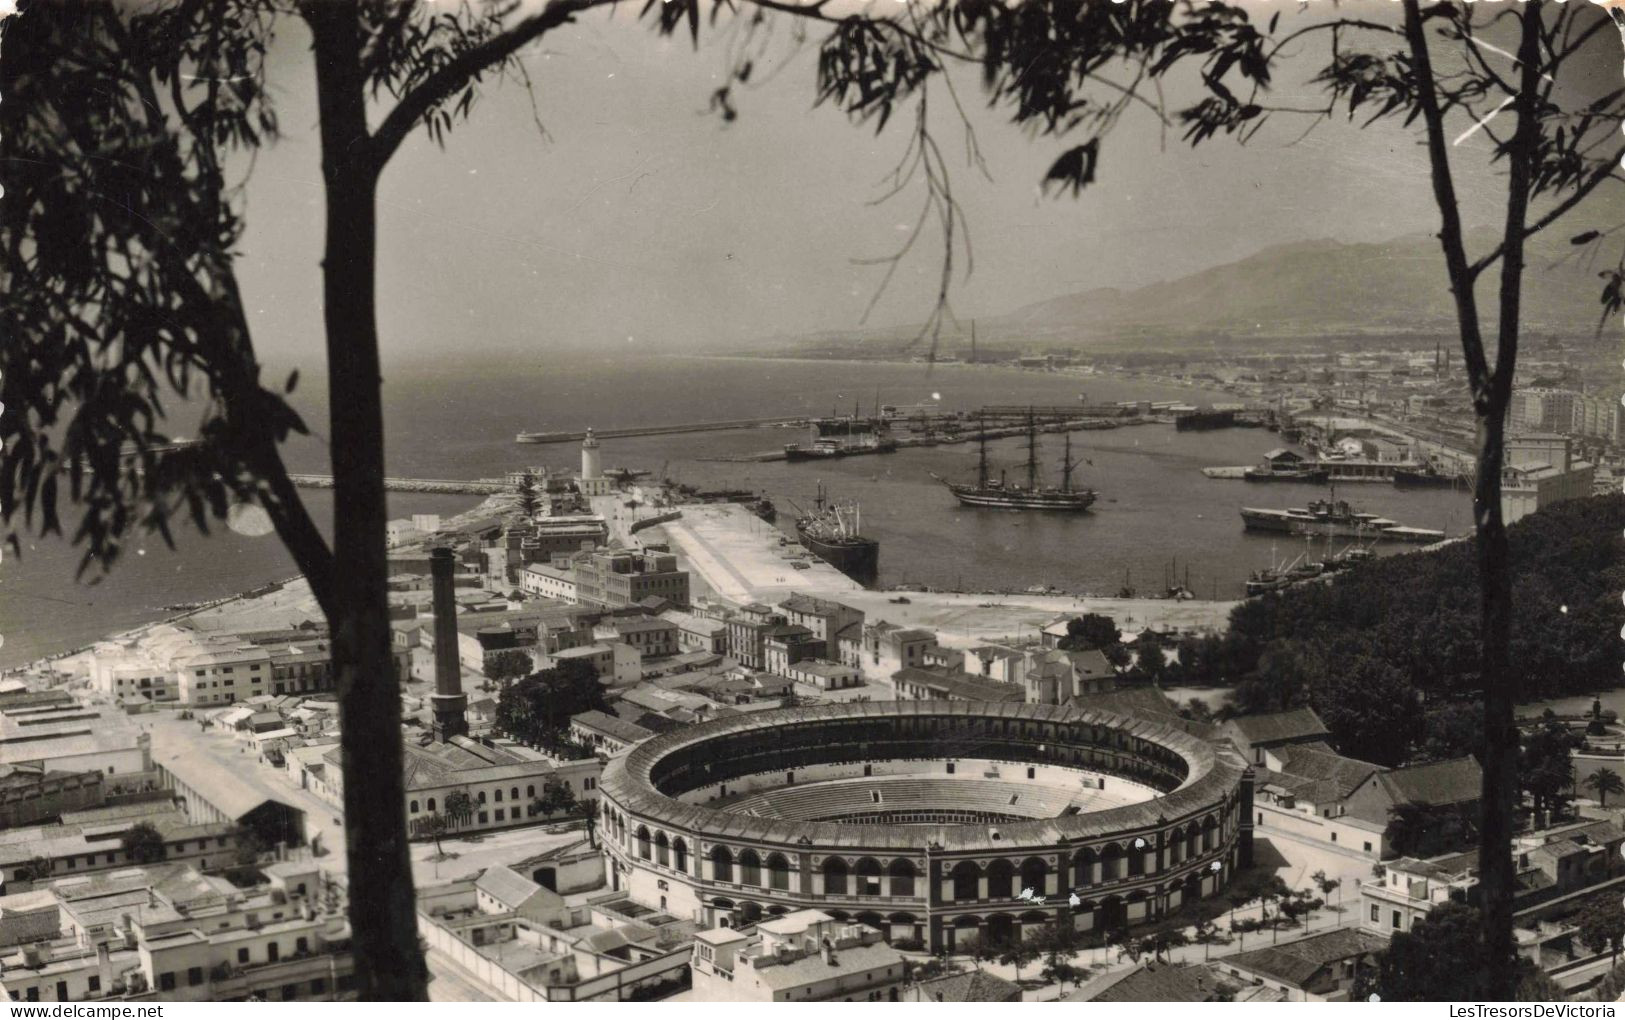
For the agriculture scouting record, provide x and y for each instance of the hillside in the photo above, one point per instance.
(1322, 290)
(1319, 287)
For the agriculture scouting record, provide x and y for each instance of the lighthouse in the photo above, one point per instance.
(591, 467)
(592, 481)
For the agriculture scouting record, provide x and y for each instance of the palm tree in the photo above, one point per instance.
(1604, 781)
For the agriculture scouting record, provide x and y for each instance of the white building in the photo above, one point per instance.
(167, 932)
(544, 580)
(69, 736)
(805, 956)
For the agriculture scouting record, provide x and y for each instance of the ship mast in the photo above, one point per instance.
(1067, 465)
(1032, 450)
(981, 458)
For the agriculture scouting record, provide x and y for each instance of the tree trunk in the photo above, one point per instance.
(1491, 392)
(1496, 874)
(383, 916)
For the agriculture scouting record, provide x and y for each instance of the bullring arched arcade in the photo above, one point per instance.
(931, 821)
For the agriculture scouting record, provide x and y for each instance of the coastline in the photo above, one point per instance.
(1116, 376)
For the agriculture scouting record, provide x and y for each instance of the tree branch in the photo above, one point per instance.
(1603, 171)
(458, 72)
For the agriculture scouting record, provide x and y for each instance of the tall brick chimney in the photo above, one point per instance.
(448, 702)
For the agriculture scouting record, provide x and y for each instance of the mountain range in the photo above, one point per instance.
(1299, 290)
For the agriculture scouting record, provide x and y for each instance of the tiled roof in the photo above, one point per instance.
(620, 729)
(960, 686)
(1456, 781)
(1150, 982)
(1297, 962)
(1299, 723)
(1304, 761)
(1599, 833)
(970, 986)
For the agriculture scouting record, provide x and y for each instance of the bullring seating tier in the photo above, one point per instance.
(832, 801)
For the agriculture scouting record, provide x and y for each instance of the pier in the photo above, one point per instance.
(659, 430)
(449, 486)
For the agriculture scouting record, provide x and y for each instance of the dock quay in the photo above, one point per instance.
(449, 486)
(660, 430)
(738, 557)
(963, 435)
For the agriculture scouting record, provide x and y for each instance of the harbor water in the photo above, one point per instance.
(1157, 521)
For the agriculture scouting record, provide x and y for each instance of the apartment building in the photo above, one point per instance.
(618, 577)
(170, 933)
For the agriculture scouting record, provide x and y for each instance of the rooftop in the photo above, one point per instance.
(1457, 781)
(506, 886)
(1297, 724)
(969, 986)
(1297, 962)
(1149, 982)
(611, 726)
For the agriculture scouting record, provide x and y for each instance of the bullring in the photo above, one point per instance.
(932, 821)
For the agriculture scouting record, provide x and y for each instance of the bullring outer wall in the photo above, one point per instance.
(933, 883)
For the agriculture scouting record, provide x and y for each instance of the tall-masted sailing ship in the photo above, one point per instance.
(1003, 495)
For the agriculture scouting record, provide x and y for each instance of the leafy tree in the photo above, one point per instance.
(978, 949)
(1196, 709)
(1604, 781)
(1062, 971)
(1295, 909)
(1018, 954)
(1163, 941)
(1546, 767)
(458, 807)
(38, 869)
(1246, 926)
(431, 826)
(1452, 731)
(1445, 70)
(110, 314)
(556, 798)
(509, 665)
(1602, 924)
(144, 843)
(247, 846)
(1091, 630)
(1444, 957)
(1370, 707)
(537, 710)
(1056, 942)
(1415, 830)
(1207, 935)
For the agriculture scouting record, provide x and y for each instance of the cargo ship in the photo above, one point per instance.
(1271, 471)
(1002, 495)
(1203, 419)
(844, 437)
(1428, 478)
(833, 533)
(1333, 518)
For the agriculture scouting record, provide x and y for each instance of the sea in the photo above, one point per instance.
(1159, 521)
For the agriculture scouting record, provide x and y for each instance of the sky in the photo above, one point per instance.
(640, 221)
